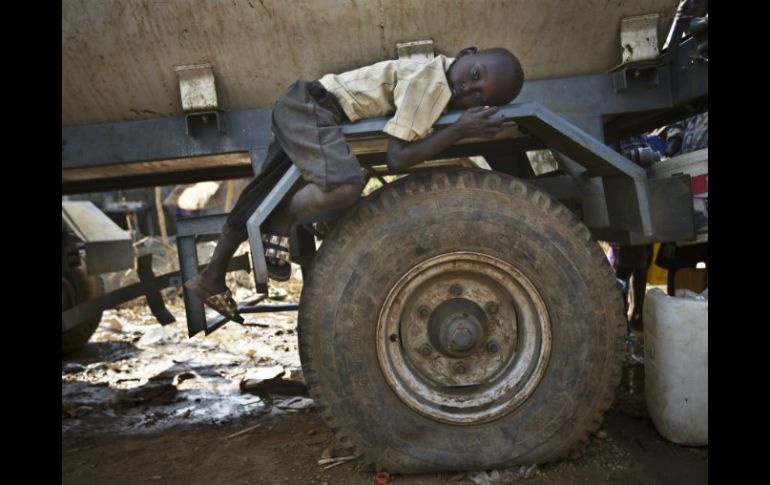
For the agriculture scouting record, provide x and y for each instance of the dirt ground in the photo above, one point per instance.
(144, 403)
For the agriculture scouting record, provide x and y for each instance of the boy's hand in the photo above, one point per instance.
(475, 122)
(479, 121)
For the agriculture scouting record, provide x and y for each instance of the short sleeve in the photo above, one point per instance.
(419, 102)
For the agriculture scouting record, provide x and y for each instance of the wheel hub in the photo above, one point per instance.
(456, 327)
(488, 326)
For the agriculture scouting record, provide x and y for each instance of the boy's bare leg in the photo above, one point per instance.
(305, 200)
(309, 199)
(212, 278)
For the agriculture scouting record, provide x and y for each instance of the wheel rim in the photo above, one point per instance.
(463, 338)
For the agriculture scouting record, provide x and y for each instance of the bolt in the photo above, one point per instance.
(493, 347)
(492, 307)
(460, 368)
(425, 349)
(462, 338)
(423, 312)
(456, 289)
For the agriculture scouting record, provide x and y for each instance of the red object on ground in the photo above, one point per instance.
(381, 478)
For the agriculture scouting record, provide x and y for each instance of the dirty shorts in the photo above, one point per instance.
(306, 132)
(306, 126)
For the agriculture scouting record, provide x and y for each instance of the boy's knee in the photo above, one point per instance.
(349, 193)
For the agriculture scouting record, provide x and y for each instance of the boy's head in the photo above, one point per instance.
(491, 77)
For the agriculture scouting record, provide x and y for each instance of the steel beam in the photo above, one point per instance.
(161, 138)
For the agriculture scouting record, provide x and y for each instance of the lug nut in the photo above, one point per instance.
(460, 368)
(492, 307)
(493, 347)
(456, 289)
(425, 349)
(423, 312)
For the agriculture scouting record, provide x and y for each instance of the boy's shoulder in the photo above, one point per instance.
(406, 65)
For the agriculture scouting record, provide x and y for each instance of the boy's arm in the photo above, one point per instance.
(475, 122)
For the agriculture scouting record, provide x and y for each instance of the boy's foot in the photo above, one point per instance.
(222, 301)
(277, 256)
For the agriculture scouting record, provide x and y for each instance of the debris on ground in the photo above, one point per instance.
(296, 403)
(179, 378)
(484, 478)
(283, 384)
(72, 368)
(158, 335)
(331, 457)
(277, 293)
(149, 395)
(527, 472)
(75, 410)
(326, 461)
(241, 433)
(333, 462)
(381, 478)
(507, 475)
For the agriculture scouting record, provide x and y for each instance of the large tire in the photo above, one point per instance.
(399, 295)
(78, 287)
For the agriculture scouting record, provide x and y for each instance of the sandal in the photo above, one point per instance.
(277, 249)
(223, 302)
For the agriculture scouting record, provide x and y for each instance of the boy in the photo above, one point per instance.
(306, 130)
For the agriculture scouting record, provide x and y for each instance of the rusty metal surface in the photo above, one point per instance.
(463, 338)
(119, 56)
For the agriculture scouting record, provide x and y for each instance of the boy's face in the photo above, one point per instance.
(478, 80)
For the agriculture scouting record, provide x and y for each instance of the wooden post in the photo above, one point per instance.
(124, 204)
(229, 195)
(162, 224)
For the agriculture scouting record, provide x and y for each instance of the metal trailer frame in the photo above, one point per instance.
(617, 200)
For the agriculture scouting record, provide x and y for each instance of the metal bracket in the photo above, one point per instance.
(647, 70)
(154, 298)
(418, 50)
(639, 37)
(204, 116)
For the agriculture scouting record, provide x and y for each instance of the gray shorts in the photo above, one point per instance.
(306, 126)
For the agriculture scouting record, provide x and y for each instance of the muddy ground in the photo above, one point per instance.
(143, 403)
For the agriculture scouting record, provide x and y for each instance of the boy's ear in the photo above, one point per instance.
(466, 51)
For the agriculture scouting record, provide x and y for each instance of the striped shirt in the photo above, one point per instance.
(416, 92)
